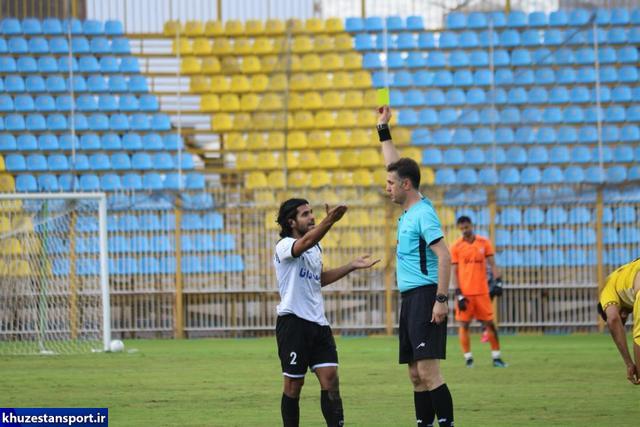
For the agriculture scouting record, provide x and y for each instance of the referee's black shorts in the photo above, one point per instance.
(419, 337)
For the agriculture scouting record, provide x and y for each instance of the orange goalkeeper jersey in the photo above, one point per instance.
(471, 259)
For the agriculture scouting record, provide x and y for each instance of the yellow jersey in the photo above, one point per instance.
(620, 290)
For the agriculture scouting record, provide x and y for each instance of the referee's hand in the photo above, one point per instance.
(385, 115)
(439, 312)
(335, 213)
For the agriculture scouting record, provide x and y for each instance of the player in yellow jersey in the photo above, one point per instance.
(621, 296)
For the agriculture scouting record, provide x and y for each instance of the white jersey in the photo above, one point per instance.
(299, 282)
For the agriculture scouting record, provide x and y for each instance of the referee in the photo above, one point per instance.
(423, 272)
(303, 334)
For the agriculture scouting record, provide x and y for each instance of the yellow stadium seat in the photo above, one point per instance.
(239, 83)
(360, 137)
(333, 25)
(353, 99)
(199, 84)
(275, 140)
(246, 161)
(319, 178)
(193, 28)
(242, 46)
(331, 240)
(19, 268)
(221, 46)
(342, 80)
(280, 45)
(271, 102)
(190, 65)
(332, 99)
(401, 136)
(269, 160)
(183, 46)
(256, 141)
(10, 246)
(343, 178)
(275, 179)
(2, 165)
(269, 220)
(363, 177)
(254, 27)
(172, 27)
(299, 81)
(339, 138)
(263, 121)
(234, 141)
(349, 158)
(294, 64)
(274, 26)
(308, 159)
(278, 82)
(214, 28)
(351, 239)
(219, 84)
(250, 64)
(233, 27)
(345, 118)
(230, 65)
(303, 120)
(447, 215)
(321, 81)
(380, 176)
(311, 100)
(412, 153)
(352, 61)
(249, 102)
(367, 118)
(21, 224)
(258, 82)
(201, 46)
(362, 79)
(318, 139)
(262, 45)
(370, 157)
(293, 161)
(370, 99)
(265, 198)
(311, 62)
(221, 122)
(210, 103)
(269, 63)
(427, 176)
(376, 240)
(296, 26)
(5, 224)
(295, 101)
(314, 25)
(323, 43)
(242, 121)
(329, 196)
(229, 102)
(298, 179)
(328, 159)
(331, 62)
(297, 139)
(301, 44)
(325, 119)
(343, 42)
(256, 180)
(211, 65)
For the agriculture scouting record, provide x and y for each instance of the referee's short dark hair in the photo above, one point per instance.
(406, 168)
(464, 220)
(288, 210)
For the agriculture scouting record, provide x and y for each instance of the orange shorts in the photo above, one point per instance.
(478, 307)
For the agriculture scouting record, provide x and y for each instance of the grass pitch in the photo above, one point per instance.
(572, 380)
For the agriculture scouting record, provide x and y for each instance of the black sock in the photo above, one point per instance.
(443, 404)
(290, 411)
(424, 408)
(331, 405)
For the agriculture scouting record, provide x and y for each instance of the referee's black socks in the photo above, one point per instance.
(443, 405)
(290, 411)
(331, 405)
(424, 408)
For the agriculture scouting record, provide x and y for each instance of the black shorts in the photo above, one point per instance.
(419, 337)
(304, 345)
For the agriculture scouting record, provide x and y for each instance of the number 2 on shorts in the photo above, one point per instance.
(293, 358)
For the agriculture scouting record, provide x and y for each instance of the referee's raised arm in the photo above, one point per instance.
(389, 150)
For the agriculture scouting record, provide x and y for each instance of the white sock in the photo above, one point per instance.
(495, 354)
(468, 356)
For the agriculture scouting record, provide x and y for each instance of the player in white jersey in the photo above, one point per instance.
(303, 334)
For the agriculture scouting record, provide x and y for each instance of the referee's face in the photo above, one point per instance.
(396, 188)
(304, 221)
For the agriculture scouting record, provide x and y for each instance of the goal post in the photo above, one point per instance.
(54, 277)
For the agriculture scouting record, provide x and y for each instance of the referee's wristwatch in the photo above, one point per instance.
(442, 298)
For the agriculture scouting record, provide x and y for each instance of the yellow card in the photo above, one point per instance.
(382, 96)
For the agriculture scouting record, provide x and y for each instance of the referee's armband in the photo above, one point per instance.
(384, 133)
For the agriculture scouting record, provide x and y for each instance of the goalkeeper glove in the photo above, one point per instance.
(496, 289)
(462, 301)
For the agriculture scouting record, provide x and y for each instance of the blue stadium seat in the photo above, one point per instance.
(416, 59)
(66, 64)
(509, 38)
(530, 175)
(476, 20)
(26, 183)
(354, 24)
(526, 76)
(595, 175)
(86, 103)
(120, 46)
(445, 177)
(48, 142)
(389, 40)
(27, 142)
(27, 64)
(436, 59)
(110, 182)
(503, 237)
(364, 42)
(109, 64)
(552, 175)
(47, 65)
(152, 181)
(426, 40)
(616, 174)
(415, 23)
(516, 19)
(546, 135)
(89, 182)
(131, 141)
(488, 38)
(90, 141)
(18, 45)
(374, 24)
(408, 117)
(92, 27)
(468, 40)
(448, 40)
(488, 176)
(510, 258)
(630, 133)
(574, 175)
(57, 162)
(100, 45)
(458, 58)
(509, 176)
(80, 45)
(456, 21)
(99, 161)
(371, 60)
(132, 181)
(14, 83)
(36, 122)
(620, 16)
(141, 161)
(58, 45)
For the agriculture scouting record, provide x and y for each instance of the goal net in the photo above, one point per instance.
(54, 287)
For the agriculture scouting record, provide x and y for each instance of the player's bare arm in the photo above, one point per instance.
(440, 309)
(317, 233)
(497, 274)
(389, 150)
(616, 328)
(330, 276)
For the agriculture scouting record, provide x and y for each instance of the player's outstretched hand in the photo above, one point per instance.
(364, 261)
(632, 374)
(385, 114)
(335, 213)
(439, 312)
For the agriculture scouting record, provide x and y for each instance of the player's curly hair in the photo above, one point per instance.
(288, 210)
